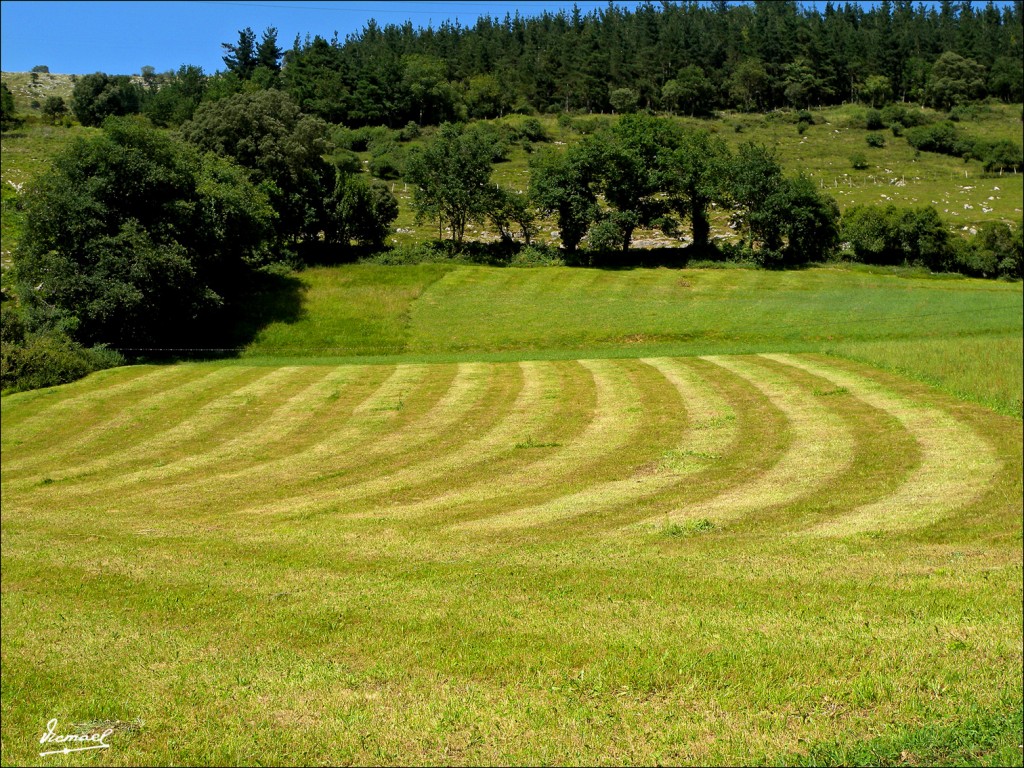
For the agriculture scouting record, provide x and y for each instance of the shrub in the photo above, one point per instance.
(887, 235)
(531, 129)
(410, 131)
(899, 114)
(875, 140)
(537, 256)
(873, 120)
(390, 165)
(46, 360)
(859, 161)
(997, 250)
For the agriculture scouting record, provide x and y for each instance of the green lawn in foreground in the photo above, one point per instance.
(961, 334)
(741, 559)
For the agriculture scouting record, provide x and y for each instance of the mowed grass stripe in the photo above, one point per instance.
(535, 406)
(141, 419)
(372, 414)
(632, 418)
(285, 484)
(885, 455)
(85, 409)
(94, 391)
(707, 424)
(821, 446)
(259, 414)
(956, 465)
(339, 405)
(197, 432)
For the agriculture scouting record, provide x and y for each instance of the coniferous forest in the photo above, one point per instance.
(681, 57)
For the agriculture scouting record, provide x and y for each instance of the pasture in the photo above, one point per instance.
(529, 530)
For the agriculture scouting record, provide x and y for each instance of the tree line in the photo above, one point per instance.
(675, 57)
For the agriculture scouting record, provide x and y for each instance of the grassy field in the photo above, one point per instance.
(963, 335)
(617, 541)
(721, 559)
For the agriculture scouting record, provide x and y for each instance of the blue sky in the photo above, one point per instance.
(80, 37)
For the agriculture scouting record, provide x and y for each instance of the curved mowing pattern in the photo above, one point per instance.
(486, 450)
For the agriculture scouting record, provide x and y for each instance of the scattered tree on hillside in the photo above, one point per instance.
(54, 109)
(7, 114)
(451, 178)
(99, 96)
(698, 172)
(560, 183)
(241, 58)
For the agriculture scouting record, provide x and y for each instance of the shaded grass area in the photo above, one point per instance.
(961, 334)
(269, 562)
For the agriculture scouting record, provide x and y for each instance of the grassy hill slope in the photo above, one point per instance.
(962, 334)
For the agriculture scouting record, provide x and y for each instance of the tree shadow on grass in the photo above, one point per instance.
(266, 297)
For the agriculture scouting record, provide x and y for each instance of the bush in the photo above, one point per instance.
(859, 161)
(46, 360)
(537, 256)
(389, 165)
(532, 130)
(875, 140)
(887, 235)
(410, 131)
(899, 114)
(997, 250)
(873, 120)
(943, 138)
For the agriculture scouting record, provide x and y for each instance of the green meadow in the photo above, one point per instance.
(456, 514)
(962, 335)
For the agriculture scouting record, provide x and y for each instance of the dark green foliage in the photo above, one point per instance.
(954, 79)
(134, 240)
(873, 120)
(810, 222)
(690, 92)
(49, 359)
(688, 58)
(877, 90)
(907, 117)
(1002, 155)
(513, 215)
(630, 168)
(755, 180)
(997, 250)
(698, 173)
(560, 183)
(451, 182)
(176, 101)
(359, 210)
(943, 138)
(387, 161)
(1006, 79)
(99, 96)
(54, 109)
(269, 53)
(7, 114)
(282, 149)
(875, 140)
(891, 235)
(240, 58)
